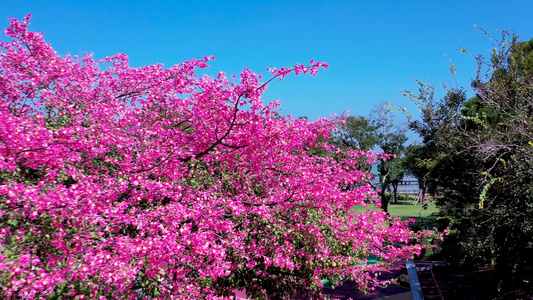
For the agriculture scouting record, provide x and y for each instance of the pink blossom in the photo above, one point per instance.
(127, 182)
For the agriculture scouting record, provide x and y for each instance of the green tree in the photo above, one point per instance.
(357, 132)
(499, 139)
(479, 155)
(440, 127)
(393, 172)
(379, 130)
(391, 139)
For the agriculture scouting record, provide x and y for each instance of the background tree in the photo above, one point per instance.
(356, 132)
(438, 127)
(418, 162)
(477, 153)
(391, 139)
(499, 141)
(378, 130)
(397, 172)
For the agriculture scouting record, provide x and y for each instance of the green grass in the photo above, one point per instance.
(426, 216)
(404, 209)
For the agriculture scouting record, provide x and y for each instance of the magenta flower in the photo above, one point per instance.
(126, 183)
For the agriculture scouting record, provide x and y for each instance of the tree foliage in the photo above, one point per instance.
(478, 153)
(391, 138)
(378, 130)
(123, 183)
(356, 132)
(439, 127)
(499, 141)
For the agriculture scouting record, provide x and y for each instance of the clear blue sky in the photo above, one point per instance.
(374, 48)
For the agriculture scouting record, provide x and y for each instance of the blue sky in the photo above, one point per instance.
(374, 48)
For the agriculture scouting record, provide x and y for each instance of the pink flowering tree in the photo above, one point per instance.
(127, 183)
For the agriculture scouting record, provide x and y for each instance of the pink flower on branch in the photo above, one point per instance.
(121, 182)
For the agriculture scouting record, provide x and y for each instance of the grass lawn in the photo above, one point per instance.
(403, 209)
(425, 215)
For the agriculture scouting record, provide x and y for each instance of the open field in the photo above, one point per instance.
(404, 209)
(425, 215)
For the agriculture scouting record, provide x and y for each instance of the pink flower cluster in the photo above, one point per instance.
(124, 183)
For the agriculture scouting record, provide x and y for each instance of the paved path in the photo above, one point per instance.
(392, 292)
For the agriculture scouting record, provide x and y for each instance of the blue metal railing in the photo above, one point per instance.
(416, 289)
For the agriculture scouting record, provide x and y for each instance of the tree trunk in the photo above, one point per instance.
(384, 201)
(395, 192)
(421, 192)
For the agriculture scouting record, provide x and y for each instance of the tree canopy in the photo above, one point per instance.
(478, 154)
(123, 183)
